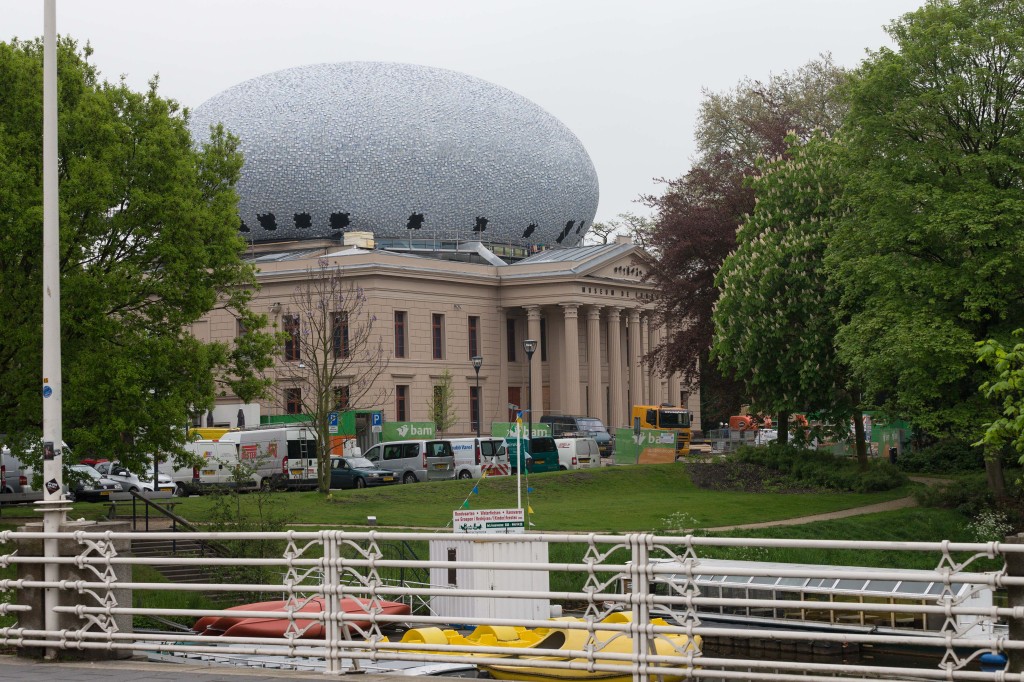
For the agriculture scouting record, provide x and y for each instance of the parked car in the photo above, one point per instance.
(131, 482)
(17, 478)
(89, 485)
(358, 472)
(415, 460)
(578, 453)
(474, 455)
(541, 454)
(565, 426)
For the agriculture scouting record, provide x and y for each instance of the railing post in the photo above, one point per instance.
(641, 587)
(1015, 597)
(332, 606)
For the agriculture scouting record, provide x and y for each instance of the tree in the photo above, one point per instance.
(1006, 385)
(698, 215)
(148, 245)
(774, 327)
(441, 406)
(338, 353)
(929, 254)
(637, 227)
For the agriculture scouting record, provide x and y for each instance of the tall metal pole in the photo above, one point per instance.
(52, 503)
(529, 346)
(478, 361)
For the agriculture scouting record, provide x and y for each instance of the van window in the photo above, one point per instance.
(488, 448)
(392, 452)
(439, 448)
(412, 450)
(373, 454)
(299, 449)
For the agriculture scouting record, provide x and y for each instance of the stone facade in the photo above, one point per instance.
(587, 306)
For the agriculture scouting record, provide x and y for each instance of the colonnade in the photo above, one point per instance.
(610, 349)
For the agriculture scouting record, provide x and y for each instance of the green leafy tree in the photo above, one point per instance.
(148, 246)
(337, 351)
(441, 406)
(928, 255)
(774, 327)
(697, 216)
(1006, 386)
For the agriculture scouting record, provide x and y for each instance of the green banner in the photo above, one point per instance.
(406, 430)
(503, 429)
(651, 445)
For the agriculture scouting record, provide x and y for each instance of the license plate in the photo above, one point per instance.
(440, 466)
(389, 478)
(208, 472)
(166, 489)
(297, 472)
(104, 492)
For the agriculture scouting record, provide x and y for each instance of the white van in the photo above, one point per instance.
(264, 451)
(17, 478)
(473, 456)
(578, 453)
(415, 461)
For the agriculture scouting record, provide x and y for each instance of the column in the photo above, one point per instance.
(571, 359)
(667, 395)
(497, 407)
(636, 377)
(653, 378)
(617, 399)
(536, 389)
(673, 388)
(595, 394)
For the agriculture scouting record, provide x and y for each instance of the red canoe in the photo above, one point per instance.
(228, 626)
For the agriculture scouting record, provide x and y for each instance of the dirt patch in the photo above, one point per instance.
(744, 477)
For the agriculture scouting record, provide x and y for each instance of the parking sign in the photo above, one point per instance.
(332, 422)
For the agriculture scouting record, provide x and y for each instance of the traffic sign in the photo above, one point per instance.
(376, 419)
(332, 422)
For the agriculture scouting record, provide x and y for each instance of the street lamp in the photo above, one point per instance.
(530, 347)
(477, 362)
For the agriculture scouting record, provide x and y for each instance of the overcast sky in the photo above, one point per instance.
(625, 76)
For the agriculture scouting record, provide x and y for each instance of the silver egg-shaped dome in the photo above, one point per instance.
(402, 151)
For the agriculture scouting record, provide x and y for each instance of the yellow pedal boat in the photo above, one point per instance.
(551, 639)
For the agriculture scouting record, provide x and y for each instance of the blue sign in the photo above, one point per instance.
(376, 419)
(332, 422)
(47, 391)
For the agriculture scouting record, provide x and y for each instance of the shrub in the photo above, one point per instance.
(822, 469)
(952, 455)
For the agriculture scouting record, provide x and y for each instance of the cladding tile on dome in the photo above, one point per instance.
(381, 141)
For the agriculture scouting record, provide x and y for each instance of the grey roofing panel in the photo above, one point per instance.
(378, 142)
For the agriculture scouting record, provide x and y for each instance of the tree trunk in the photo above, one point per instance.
(994, 475)
(783, 428)
(858, 434)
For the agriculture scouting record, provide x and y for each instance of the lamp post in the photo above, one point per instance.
(477, 362)
(530, 347)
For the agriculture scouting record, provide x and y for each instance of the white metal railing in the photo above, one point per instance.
(651, 579)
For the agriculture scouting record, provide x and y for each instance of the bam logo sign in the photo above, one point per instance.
(407, 430)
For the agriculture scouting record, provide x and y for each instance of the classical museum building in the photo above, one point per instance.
(459, 210)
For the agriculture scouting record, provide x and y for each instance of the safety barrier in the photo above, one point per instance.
(645, 606)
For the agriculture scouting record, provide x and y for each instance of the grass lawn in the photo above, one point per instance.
(610, 499)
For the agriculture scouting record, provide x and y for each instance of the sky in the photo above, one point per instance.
(626, 77)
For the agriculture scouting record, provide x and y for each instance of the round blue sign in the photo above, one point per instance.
(47, 391)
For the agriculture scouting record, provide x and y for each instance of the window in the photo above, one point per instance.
(510, 339)
(401, 403)
(339, 334)
(437, 335)
(474, 336)
(291, 344)
(400, 333)
(240, 329)
(293, 400)
(514, 396)
(341, 396)
(474, 407)
(544, 340)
